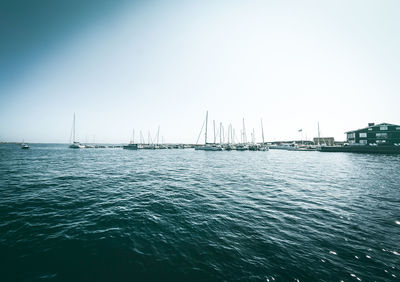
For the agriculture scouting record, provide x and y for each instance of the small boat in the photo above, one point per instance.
(24, 146)
(208, 146)
(242, 147)
(130, 146)
(229, 147)
(285, 146)
(263, 146)
(75, 144)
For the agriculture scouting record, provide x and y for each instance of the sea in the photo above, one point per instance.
(184, 215)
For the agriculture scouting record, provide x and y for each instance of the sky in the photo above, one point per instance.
(124, 65)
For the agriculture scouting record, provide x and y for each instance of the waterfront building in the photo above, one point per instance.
(379, 134)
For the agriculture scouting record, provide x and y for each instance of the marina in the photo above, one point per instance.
(199, 141)
(383, 138)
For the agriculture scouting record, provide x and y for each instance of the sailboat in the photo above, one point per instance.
(263, 147)
(243, 146)
(75, 144)
(24, 145)
(206, 146)
(131, 145)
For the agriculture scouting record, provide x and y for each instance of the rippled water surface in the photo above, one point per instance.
(169, 215)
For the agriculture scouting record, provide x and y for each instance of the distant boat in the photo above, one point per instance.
(285, 146)
(24, 145)
(263, 147)
(242, 147)
(207, 146)
(130, 146)
(75, 144)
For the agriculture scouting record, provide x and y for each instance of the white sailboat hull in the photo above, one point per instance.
(76, 145)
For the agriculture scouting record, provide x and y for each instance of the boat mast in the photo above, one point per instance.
(158, 135)
(318, 135)
(141, 138)
(220, 133)
(205, 136)
(223, 134)
(229, 133)
(244, 133)
(262, 131)
(214, 131)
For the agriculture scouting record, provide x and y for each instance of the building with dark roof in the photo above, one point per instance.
(379, 134)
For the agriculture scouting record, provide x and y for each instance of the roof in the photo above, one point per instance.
(376, 125)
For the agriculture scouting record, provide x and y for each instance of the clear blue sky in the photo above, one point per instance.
(142, 64)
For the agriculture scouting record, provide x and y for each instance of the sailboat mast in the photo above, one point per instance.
(229, 133)
(244, 133)
(220, 133)
(214, 131)
(205, 136)
(262, 131)
(318, 135)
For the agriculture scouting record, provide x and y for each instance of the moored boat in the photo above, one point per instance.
(24, 146)
(285, 146)
(75, 144)
(208, 146)
(130, 146)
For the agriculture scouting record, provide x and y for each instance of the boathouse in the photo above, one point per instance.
(379, 134)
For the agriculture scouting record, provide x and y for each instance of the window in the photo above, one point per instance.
(383, 127)
(398, 128)
(363, 135)
(370, 129)
(363, 142)
(350, 135)
(381, 135)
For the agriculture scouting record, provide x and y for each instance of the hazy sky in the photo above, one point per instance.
(146, 64)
